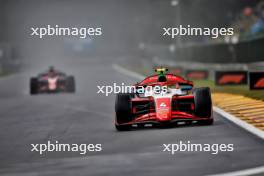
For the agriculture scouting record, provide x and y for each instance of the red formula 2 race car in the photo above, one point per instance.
(180, 102)
(52, 81)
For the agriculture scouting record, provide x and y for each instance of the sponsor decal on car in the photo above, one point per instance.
(163, 108)
(163, 105)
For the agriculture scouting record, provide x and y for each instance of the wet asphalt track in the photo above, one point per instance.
(86, 117)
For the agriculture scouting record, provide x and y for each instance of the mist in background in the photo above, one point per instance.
(129, 27)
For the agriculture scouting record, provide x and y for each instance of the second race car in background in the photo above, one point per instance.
(179, 103)
(52, 81)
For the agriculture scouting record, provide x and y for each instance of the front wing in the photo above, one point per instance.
(150, 116)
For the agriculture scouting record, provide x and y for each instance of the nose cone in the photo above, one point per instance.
(163, 109)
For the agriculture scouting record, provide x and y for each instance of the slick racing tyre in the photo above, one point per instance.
(71, 84)
(202, 102)
(33, 86)
(123, 109)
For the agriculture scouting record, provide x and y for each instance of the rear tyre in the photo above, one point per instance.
(33, 86)
(71, 84)
(123, 109)
(202, 102)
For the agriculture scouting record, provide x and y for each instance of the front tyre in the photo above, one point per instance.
(71, 84)
(202, 102)
(123, 109)
(33, 86)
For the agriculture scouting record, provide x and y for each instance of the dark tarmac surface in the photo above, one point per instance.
(87, 117)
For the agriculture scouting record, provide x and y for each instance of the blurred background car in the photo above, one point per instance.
(52, 81)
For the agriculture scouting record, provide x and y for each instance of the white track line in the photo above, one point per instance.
(246, 172)
(240, 123)
(127, 72)
(11, 76)
(226, 115)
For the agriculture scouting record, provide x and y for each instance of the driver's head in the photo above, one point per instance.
(162, 78)
(161, 70)
(51, 69)
(161, 74)
(51, 72)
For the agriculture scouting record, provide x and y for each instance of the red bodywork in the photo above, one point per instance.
(171, 79)
(52, 82)
(165, 109)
